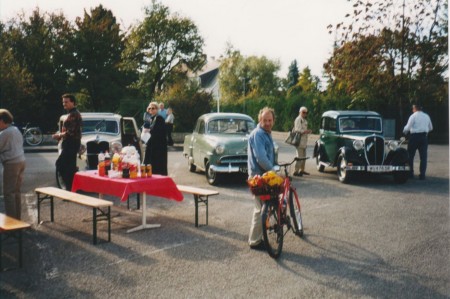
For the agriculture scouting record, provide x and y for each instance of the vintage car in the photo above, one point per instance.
(353, 142)
(218, 145)
(103, 132)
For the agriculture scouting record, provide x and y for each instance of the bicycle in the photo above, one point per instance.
(274, 214)
(32, 135)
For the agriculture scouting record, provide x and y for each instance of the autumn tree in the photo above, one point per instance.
(292, 76)
(397, 53)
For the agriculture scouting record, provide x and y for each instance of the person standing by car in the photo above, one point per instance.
(70, 139)
(156, 150)
(261, 158)
(301, 126)
(13, 161)
(169, 126)
(419, 125)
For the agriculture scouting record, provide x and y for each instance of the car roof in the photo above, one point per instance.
(338, 113)
(219, 115)
(96, 115)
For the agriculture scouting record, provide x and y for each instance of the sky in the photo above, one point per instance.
(283, 30)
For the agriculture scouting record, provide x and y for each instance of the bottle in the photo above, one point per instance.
(116, 161)
(107, 163)
(101, 164)
(149, 170)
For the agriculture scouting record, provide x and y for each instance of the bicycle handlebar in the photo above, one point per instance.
(290, 163)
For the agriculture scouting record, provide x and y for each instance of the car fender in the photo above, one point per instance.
(398, 157)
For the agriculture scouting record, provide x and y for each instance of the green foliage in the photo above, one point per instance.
(293, 74)
(161, 46)
(188, 102)
(246, 77)
(97, 45)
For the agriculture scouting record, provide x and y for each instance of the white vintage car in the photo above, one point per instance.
(103, 132)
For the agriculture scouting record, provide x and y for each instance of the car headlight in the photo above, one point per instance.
(358, 145)
(116, 147)
(220, 149)
(393, 145)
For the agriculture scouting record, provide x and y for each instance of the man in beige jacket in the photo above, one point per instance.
(301, 125)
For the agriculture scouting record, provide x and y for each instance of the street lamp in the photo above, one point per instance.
(243, 89)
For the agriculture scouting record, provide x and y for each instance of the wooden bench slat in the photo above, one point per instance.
(195, 190)
(74, 197)
(8, 223)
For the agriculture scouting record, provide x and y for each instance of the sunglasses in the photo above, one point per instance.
(304, 112)
(152, 108)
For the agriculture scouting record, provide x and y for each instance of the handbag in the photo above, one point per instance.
(145, 135)
(293, 138)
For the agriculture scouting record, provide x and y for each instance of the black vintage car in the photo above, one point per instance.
(353, 141)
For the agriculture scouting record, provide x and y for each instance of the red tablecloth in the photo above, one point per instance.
(157, 185)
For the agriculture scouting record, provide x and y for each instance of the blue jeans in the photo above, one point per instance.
(418, 141)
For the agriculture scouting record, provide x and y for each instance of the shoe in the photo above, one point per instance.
(259, 246)
(304, 172)
(298, 174)
(422, 177)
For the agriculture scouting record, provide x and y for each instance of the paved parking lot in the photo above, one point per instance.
(369, 239)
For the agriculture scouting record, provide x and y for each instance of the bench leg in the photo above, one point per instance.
(94, 225)
(197, 200)
(19, 237)
(41, 199)
(109, 224)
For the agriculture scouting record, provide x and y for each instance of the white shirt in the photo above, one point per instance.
(418, 122)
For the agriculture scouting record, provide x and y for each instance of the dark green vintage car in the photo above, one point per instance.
(353, 142)
(218, 145)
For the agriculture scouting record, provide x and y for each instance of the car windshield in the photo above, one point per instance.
(230, 126)
(100, 126)
(360, 124)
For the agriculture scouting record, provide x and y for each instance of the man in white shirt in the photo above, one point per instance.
(419, 125)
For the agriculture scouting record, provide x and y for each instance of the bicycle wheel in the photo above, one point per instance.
(296, 213)
(272, 230)
(33, 136)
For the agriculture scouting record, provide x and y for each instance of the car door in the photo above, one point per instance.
(329, 138)
(130, 134)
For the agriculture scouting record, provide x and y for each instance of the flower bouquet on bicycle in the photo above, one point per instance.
(277, 193)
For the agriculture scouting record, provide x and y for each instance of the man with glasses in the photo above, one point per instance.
(301, 125)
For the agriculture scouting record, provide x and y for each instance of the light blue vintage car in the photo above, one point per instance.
(218, 145)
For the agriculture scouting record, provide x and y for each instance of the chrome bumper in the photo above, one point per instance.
(228, 169)
(378, 168)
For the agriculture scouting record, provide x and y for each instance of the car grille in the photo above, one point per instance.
(233, 160)
(374, 150)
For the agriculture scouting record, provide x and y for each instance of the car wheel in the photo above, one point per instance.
(343, 174)
(211, 176)
(401, 177)
(319, 166)
(192, 167)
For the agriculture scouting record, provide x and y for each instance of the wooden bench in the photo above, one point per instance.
(92, 202)
(200, 196)
(11, 227)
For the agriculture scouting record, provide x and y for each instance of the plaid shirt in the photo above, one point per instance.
(72, 125)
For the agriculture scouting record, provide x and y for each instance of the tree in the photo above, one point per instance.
(243, 77)
(292, 76)
(162, 45)
(401, 63)
(40, 47)
(97, 47)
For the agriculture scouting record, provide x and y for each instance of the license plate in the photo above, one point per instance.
(243, 169)
(379, 168)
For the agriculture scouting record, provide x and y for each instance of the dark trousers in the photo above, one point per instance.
(169, 129)
(66, 163)
(418, 141)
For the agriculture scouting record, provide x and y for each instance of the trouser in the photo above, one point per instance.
(169, 129)
(256, 235)
(300, 165)
(12, 181)
(66, 163)
(418, 141)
